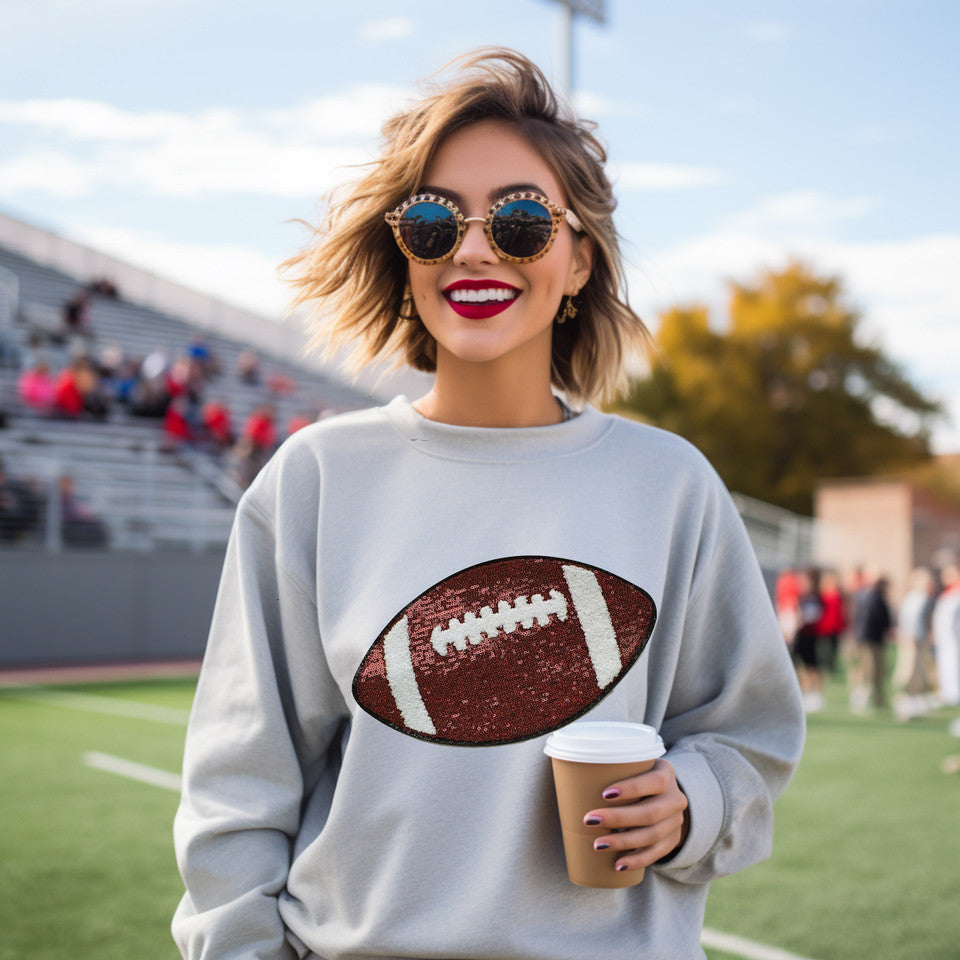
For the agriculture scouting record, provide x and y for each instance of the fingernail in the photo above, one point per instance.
(621, 867)
(600, 845)
(611, 794)
(592, 821)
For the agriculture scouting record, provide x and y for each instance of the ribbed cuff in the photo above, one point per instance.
(705, 809)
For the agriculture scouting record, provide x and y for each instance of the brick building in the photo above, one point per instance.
(890, 524)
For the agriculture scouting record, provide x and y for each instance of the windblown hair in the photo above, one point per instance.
(355, 276)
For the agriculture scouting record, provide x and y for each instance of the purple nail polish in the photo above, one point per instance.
(611, 794)
(601, 846)
(592, 821)
(621, 867)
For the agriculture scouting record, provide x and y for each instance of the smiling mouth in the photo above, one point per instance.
(479, 299)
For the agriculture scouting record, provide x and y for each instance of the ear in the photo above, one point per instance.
(580, 265)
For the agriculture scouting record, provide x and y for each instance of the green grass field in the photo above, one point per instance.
(866, 861)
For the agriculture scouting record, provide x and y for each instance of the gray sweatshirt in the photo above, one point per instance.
(367, 564)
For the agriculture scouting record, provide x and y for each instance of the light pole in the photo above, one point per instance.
(566, 63)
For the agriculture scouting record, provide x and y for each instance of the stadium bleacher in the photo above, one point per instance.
(150, 494)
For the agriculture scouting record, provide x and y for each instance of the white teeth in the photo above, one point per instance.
(482, 296)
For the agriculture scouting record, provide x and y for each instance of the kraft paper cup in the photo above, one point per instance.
(588, 756)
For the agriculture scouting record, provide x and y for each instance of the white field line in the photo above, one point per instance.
(132, 771)
(741, 947)
(90, 703)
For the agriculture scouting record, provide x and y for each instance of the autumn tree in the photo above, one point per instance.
(786, 392)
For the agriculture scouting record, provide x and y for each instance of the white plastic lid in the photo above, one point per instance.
(604, 741)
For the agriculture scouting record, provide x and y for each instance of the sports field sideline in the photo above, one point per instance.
(865, 861)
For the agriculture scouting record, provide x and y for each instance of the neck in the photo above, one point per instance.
(490, 395)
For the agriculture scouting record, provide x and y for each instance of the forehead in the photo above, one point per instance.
(482, 158)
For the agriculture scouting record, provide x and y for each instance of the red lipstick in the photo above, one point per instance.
(480, 299)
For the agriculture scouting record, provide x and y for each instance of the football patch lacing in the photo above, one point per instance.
(591, 610)
(521, 613)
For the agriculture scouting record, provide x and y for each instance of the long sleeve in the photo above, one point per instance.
(734, 720)
(257, 742)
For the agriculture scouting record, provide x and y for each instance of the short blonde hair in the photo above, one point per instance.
(355, 276)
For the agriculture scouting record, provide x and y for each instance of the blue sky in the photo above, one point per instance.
(184, 136)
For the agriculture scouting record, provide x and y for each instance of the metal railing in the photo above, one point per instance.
(152, 502)
(779, 537)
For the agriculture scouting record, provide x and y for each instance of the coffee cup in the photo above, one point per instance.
(587, 757)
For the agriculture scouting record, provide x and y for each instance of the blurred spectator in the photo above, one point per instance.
(217, 424)
(809, 613)
(125, 380)
(258, 439)
(68, 399)
(37, 388)
(110, 360)
(19, 506)
(199, 351)
(80, 526)
(104, 287)
(248, 367)
(76, 314)
(860, 584)
(912, 678)
(177, 430)
(787, 596)
(243, 462)
(88, 381)
(946, 636)
(150, 394)
(876, 624)
(833, 621)
(281, 385)
(297, 422)
(260, 428)
(186, 378)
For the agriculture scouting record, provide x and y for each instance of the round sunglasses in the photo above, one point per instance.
(520, 227)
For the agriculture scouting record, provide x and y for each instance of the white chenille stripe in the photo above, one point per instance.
(594, 617)
(403, 681)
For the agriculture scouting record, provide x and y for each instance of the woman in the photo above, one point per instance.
(364, 773)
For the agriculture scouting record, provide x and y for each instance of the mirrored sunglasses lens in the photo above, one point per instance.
(522, 228)
(428, 230)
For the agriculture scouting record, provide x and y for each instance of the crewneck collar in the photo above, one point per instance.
(497, 444)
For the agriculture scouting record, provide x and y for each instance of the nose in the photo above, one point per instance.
(475, 248)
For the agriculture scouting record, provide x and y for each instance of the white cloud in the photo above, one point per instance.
(768, 31)
(294, 151)
(386, 30)
(47, 172)
(802, 210)
(634, 175)
(592, 105)
(91, 120)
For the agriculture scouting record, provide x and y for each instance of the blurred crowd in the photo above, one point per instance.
(827, 619)
(186, 394)
(180, 392)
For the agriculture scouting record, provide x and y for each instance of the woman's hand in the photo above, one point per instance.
(647, 819)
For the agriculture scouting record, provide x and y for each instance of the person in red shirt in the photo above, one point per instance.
(176, 425)
(833, 622)
(67, 396)
(261, 429)
(217, 423)
(787, 595)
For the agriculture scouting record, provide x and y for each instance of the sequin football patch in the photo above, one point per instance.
(504, 651)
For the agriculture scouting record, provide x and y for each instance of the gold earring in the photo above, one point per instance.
(408, 309)
(569, 310)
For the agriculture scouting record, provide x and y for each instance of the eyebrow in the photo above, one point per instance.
(493, 195)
